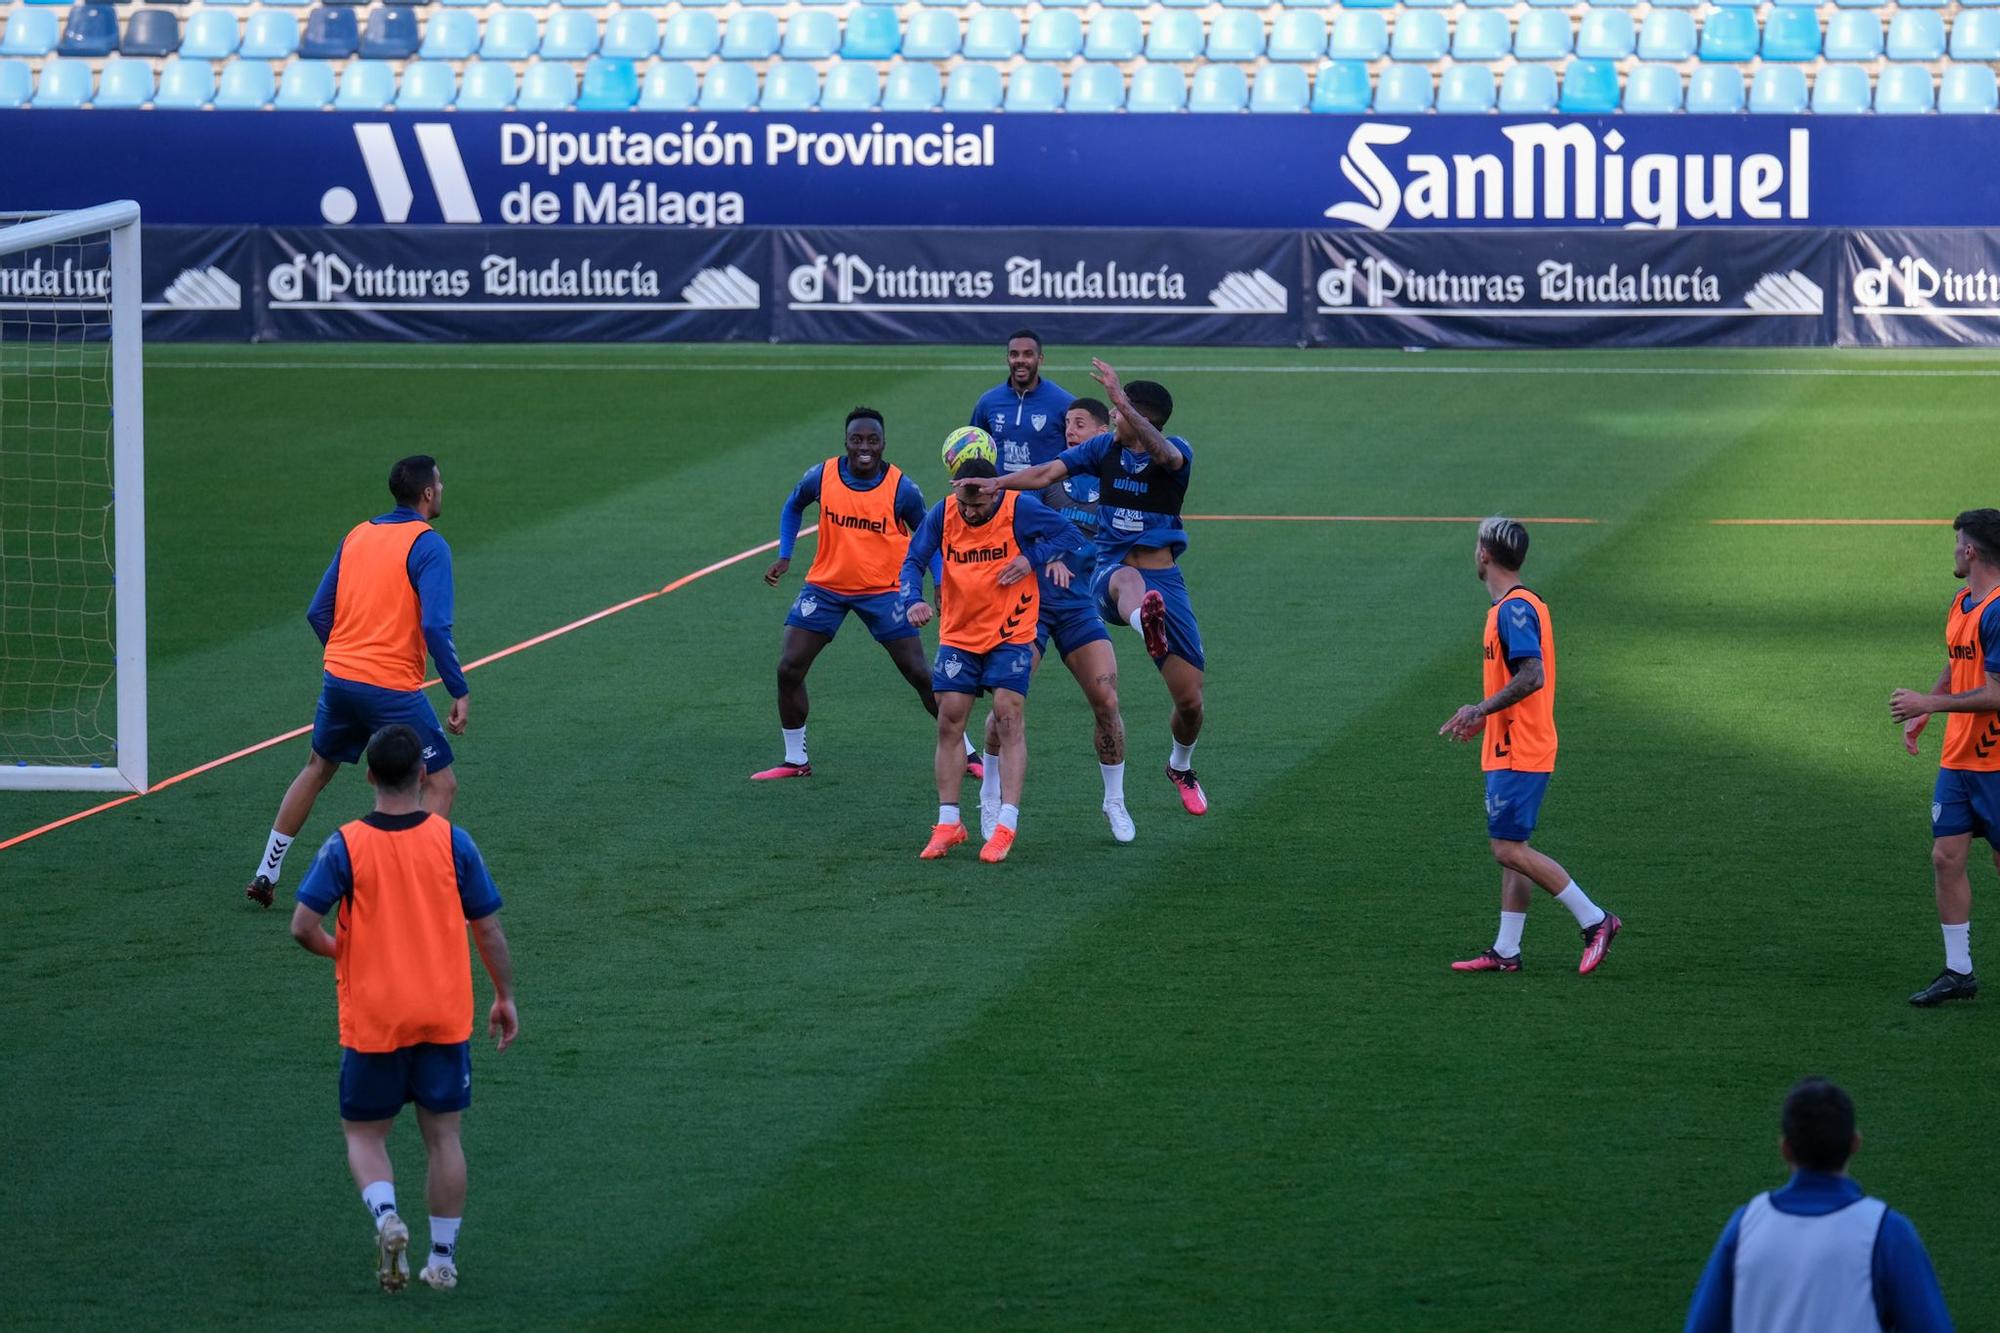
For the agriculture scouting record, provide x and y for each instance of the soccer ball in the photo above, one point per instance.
(968, 442)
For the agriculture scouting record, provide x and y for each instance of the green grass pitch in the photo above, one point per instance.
(776, 1073)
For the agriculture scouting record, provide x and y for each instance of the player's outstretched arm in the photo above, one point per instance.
(502, 1021)
(1150, 438)
(1039, 477)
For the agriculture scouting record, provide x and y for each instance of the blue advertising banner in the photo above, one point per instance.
(824, 169)
(1920, 288)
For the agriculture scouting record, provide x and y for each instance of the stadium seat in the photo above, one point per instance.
(1589, 88)
(1309, 4)
(1053, 34)
(1421, 34)
(1185, 4)
(1034, 88)
(510, 35)
(973, 88)
(269, 35)
(331, 34)
(751, 35)
(1975, 35)
(1157, 88)
(1482, 35)
(1667, 34)
(17, 84)
(124, 84)
(92, 30)
(610, 83)
(1175, 35)
(307, 85)
(912, 88)
(1096, 88)
(30, 32)
(993, 34)
(428, 85)
(246, 85)
(548, 85)
(486, 85)
(1715, 90)
(932, 35)
(586, 4)
(1280, 89)
(1652, 90)
(1404, 90)
(872, 33)
(1840, 90)
(1731, 35)
(1466, 89)
(1342, 88)
(1606, 34)
(1793, 34)
(790, 85)
(1235, 36)
(1298, 35)
(1852, 35)
(1915, 35)
(149, 32)
(1778, 90)
(1371, 4)
(811, 34)
(1476, 4)
(365, 85)
(211, 35)
(295, 4)
(728, 86)
(1904, 90)
(1528, 90)
(390, 33)
(568, 35)
(186, 84)
(1358, 35)
(668, 86)
(451, 35)
(1219, 88)
(1114, 35)
(1968, 90)
(851, 85)
(65, 83)
(631, 34)
(1542, 35)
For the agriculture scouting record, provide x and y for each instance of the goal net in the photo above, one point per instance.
(72, 502)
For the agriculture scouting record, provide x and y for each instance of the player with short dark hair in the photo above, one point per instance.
(1517, 718)
(868, 508)
(1024, 412)
(385, 600)
(1965, 802)
(407, 885)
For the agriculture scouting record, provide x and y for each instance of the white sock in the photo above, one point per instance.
(380, 1200)
(1114, 781)
(947, 815)
(970, 748)
(1182, 759)
(1958, 947)
(1508, 942)
(795, 744)
(1133, 621)
(989, 786)
(274, 856)
(1586, 912)
(1010, 816)
(444, 1240)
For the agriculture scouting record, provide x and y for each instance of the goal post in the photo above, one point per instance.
(72, 502)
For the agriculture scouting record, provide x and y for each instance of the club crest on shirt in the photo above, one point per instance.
(1039, 419)
(430, 752)
(952, 668)
(1131, 463)
(808, 605)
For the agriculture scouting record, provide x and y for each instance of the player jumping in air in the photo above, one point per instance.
(386, 598)
(988, 600)
(867, 509)
(1966, 800)
(1143, 479)
(1518, 721)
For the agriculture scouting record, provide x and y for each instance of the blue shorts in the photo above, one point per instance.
(350, 712)
(1183, 634)
(1965, 802)
(1009, 667)
(376, 1085)
(1070, 630)
(824, 612)
(1513, 801)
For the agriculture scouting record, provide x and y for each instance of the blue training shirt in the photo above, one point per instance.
(1989, 631)
(1026, 427)
(430, 574)
(1040, 532)
(332, 875)
(1120, 528)
(1520, 629)
(909, 502)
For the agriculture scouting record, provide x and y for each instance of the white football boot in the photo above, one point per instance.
(392, 1244)
(1120, 820)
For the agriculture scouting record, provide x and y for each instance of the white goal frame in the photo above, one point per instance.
(128, 480)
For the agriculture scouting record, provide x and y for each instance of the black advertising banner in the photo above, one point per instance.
(1934, 288)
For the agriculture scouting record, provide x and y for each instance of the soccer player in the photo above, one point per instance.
(1070, 619)
(867, 508)
(385, 599)
(406, 885)
(1966, 800)
(1143, 481)
(1024, 413)
(988, 604)
(1518, 720)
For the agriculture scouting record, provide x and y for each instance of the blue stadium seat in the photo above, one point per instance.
(631, 34)
(1968, 90)
(751, 35)
(1034, 88)
(1840, 90)
(993, 34)
(1904, 90)
(17, 84)
(1053, 34)
(247, 85)
(1298, 35)
(186, 84)
(1280, 90)
(548, 85)
(1219, 89)
(1543, 34)
(450, 35)
(1185, 4)
(1175, 35)
(1371, 4)
(1731, 35)
(124, 84)
(296, 4)
(811, 34)
(267, 35)
(332, 33)
(1652, 90)
(568, 35)
(1421, 34)
(92, 30)
(1096, 88)
(1606, 34)
(932, 35)
(1482, 35)
(1234, 36)
(1342, 88)
(1778, 90)
(390, 33)
(486, 85)
(149, 32)
(1589, 88)
(1308, 4)
(1114, 35)
(31, 32)
(1466, 89)
(1938, 4)
(728, 86)
(1528, 90)
(873, 33)
(1916, 35)
(694, 34)
(1404, 90)
(610, 83)
(1793, 34)
(668, 86)
(1157, 88)
(211, 35)
(307, 85)
(510, 35)
(851, 85)
(428, 85)
(1667, 34)
(1852, 35)
(973, 88)
(1715, 90)
(1489, 4)
(912, 88)
(1358, 35)
(790, 85)
(365, 85)
(586, 4)
(65, 83)
(1975, 35)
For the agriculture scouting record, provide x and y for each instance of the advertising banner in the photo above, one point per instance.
(196, 285)
(1920, 288)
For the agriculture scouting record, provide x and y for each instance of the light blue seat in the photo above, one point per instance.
(1731, 35)
(1184, 4)
(366, 85)
(1852, 35)
(296, 4)
(790, 85)
(549, 85)
(1904, 90)
(973, 88)
(486, 85)
(1528, 90)
(1371, 4)
(451, 34)
(186, 84)
(124, 84)
(31, 32)
(912, 88)
(1421, 34)
(1490, 4)
(586, 4)
(632, 34)
(1975, 35)
(1543, 34)
(872, 33)
(1652, 90)
(1053, 34)
(1840, 90)
(1589, 88)
(149, 32)
(1175, 35)
(751, 35)
(812, 34)
(1667, 34)
(1482, 35)
(1916, 35)
(1793, 34)
(1114, 35)
(1968, 90)
(428, 85)
(993, 34)
(1307, 4)
(307, 85)
(932, 35)
(610, 83)
(569, 35)
(17, 83)
(668, 86)
(1466, 89)
(1938, 4)
(851, 85)
(729, 85)
(65, 83)
(1715, 90)
(247, 85)
(1298, 35)
(211, 35)
(332, 33)
(1034, 88)
(1219, 88)
(1342, 88)
(1157, 88)
(90, 30)
(1606, 34)
(1096, 88)
(510, 35)
(1404, 90)
(1358, 35)
(1234, 36)
(472, 4)
(1778, 90)
(1280, 90)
